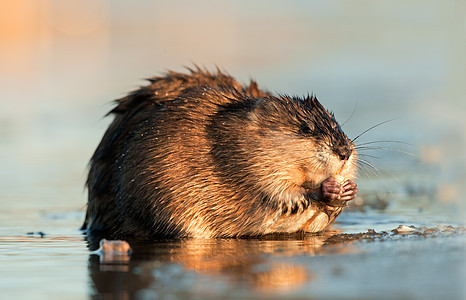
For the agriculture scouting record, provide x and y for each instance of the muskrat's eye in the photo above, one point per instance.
(306, 129)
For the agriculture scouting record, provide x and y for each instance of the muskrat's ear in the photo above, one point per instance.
(267, 106)
(264, 110)
(260, 104)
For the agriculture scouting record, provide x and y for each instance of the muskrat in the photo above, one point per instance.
(198, 154)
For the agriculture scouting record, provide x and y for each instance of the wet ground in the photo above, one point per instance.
(368, 61)
(352, 260)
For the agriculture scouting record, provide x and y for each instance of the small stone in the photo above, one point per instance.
(112, 251)
(403, 229)
(371, 232)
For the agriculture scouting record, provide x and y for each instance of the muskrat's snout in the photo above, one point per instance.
(344, 153)
(342, 147)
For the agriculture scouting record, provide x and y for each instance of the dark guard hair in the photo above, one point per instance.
(201, 155)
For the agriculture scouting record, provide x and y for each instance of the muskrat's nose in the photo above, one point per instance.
(344, 154)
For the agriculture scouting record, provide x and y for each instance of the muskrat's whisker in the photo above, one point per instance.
(365, 162)
(363, 149)
(386, 148)
(362, 169)
(370, 168)
(368, 155)
(384, 141)
(352, 113)
(372, 127)
(367, 148)
(377, 173)
(367, 170)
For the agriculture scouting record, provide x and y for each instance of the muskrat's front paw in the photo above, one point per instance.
(336, 193)
(331, 189)
(350, 189)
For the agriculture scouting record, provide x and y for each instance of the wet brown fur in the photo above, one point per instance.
(201, 155)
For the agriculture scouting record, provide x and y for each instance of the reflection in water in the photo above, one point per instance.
(297, 266)
(200, 266)
(281, 277)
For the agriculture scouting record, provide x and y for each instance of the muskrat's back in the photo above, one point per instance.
(201, 155)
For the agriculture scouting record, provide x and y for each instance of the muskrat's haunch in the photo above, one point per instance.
(200, 155)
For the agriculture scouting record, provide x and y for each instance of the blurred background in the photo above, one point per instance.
(63, 62)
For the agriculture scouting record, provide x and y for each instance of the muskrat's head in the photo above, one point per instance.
(301, 144)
